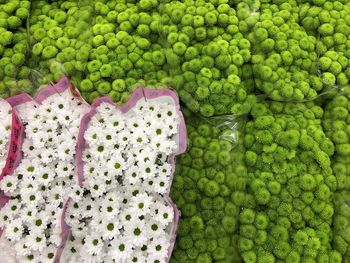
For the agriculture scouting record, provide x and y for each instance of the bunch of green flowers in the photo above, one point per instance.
(285, 62)
(288, 212)
(329, 21)
(336, 123)
(126, 51)
(207, 180)
(108, 48)
(13, 47)
(207, 56)
(60, 39)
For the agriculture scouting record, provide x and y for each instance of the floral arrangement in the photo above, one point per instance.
(124, 213)
(5, 131)
(45, 177)
(92, 183)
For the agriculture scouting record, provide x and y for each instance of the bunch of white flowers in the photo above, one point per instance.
(123, 213)
(5, 131)
(45, 177)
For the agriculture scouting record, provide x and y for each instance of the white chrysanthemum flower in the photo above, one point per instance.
(48, 254)
(109, 229)
(28, 214)
(136, 232)
(161, 184)
(162, 212)
(14, 230)
(93, 243)
(120, 250)
(158, 249)
(9, 184)
(141, 203)
(133, 176)
(28, 148)
(116, 165)
(36, 241)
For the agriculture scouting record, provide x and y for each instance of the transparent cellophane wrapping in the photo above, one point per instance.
(208, 179)
(208, 55)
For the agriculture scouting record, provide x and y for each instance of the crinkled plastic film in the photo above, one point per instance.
(19, 102)
(209, 179)
(181, 140)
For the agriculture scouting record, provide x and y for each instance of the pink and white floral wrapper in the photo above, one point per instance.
(17, 135)
(181, 140)
(19, 101)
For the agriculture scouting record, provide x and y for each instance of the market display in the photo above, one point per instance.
(87, 167)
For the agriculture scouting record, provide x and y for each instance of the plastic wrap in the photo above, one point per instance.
(162, 95)
(25, 106)
(288, 210)
(209, 182)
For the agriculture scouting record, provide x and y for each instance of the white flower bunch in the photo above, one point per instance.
(5, 131)
(122, 215)
(44, 179)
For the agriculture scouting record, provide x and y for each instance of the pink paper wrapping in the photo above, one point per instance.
(139, 93)
(14, 152)
(61, 86)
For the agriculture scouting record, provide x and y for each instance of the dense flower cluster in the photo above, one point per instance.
(336, 125)
(288, 209)
(208, 56)
(208, 182)
(329, 21)
(285, 62)
(107, 48)
(121, 213)
(44, 179)
(218, 54)
(13, 47)
(5, 131)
